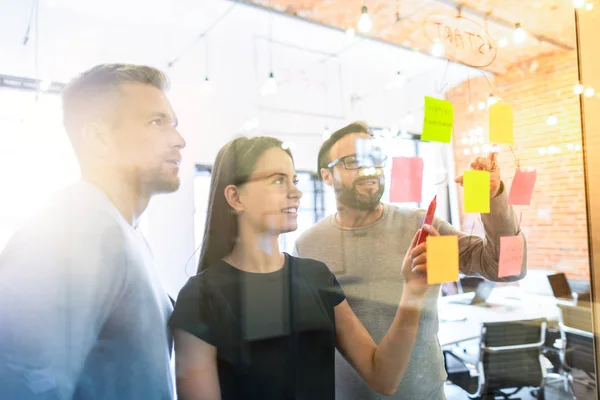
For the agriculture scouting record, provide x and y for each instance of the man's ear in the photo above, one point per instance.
(327, 176)
(96, 139)
(232, 195)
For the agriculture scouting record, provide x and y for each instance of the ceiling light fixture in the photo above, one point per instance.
(270, 87)
(438, 49)
(364, 21)
(207, 87)
(578, 89)
(589, 92)
(397, 81)
(519, 34)
(492, 100)
(552, 120)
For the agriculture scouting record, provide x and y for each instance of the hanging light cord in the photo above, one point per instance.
(206, 55)
(34, 5)
(270, 23)
(201, 35)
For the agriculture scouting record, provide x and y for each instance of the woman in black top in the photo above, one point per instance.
(256, 323)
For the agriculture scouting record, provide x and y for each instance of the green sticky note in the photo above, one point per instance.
(442, 259)
(439, 117)
(501, 124)
(477, 191)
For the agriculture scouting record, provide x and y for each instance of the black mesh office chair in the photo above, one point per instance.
(511, 357)
(578, 343)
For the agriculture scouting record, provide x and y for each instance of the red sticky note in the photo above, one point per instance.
(407, 180)
(511, 256)
(522, 187)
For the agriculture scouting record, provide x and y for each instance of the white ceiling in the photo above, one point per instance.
(75, 34)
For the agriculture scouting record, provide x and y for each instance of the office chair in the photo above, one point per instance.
(510, 356)
(470, 283)
(577, 344)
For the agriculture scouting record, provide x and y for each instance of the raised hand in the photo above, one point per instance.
(414, 267)
(489, 163)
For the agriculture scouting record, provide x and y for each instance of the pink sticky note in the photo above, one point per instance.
(522, 187)
(407, 179)
(511, 256)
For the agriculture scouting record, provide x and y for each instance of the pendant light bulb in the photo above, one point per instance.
(270, 86)
(492, 100)
(438, 49)
(552, 120)
(364, 21)
(519, 34)
(207, 87)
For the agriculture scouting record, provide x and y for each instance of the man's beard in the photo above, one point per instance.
(352, 198)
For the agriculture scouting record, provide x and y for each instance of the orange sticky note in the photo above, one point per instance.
(477, 191)
(522, 187)
(511, 256)
(442, 259)
(501, 125)
(407, 179)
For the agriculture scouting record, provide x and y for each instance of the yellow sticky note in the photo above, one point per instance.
(477, 191)
(501, 124)
(439, 117)
(442, 259)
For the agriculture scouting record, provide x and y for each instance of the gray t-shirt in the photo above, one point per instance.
(83, 314)
(367, 263)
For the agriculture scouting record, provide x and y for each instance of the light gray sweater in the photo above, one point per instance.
(83, 314)
(367, 262)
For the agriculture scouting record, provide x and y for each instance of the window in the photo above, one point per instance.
(311, 207)
(36, 158)
(201, 191)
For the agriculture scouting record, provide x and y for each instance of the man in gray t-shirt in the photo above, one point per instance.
(364, 244)
(83, 314)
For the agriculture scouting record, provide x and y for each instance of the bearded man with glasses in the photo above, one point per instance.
(364, 244)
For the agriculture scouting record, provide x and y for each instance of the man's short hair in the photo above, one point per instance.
(355, 127)
(86, 96)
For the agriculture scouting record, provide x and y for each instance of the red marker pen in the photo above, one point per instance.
(428, 220)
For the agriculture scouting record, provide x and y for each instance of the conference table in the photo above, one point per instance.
(462, 322)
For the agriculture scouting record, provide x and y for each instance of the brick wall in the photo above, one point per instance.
(555, 222)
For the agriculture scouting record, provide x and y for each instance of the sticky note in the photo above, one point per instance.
(522, 187)
(439, 117)
(407, 179)
(442, 259)
(511, 256)
(501, 124)
(477, 191)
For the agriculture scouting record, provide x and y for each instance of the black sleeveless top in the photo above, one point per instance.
(274, 332)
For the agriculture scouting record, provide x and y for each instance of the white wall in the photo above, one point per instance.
(325, 79)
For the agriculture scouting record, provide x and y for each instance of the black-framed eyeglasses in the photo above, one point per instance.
(354, 161)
